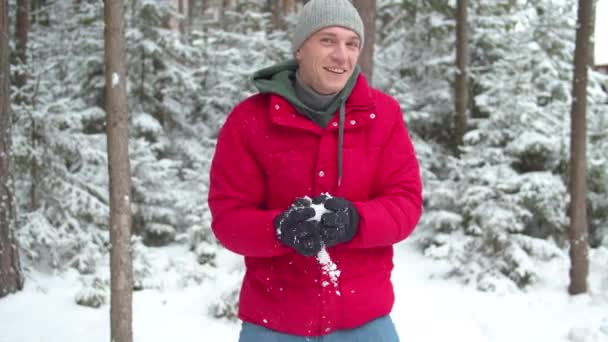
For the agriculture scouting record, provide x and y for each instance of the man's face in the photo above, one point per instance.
(328, 58)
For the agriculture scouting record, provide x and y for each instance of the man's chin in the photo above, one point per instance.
(333, 88)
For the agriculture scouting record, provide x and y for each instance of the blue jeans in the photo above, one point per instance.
(379, 330)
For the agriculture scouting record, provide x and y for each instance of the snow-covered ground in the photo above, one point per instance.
(428, 308)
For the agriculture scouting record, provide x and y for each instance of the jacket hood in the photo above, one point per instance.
(278, 79)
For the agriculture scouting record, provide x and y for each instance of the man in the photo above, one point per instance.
(313, 181)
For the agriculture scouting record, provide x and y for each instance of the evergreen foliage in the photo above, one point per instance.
(502, 207)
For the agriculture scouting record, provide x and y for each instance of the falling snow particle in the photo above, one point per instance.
(328, 266)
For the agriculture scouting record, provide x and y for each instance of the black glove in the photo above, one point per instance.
(294, 229)
(340, 223)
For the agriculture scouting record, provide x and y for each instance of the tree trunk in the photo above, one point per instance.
(11, 278)
(44, 18)
(34, 168)
(121, 268)
(461, 90)
(34, 9)
(180, 22)
(276, 14)
(222, 12)
(593, 36)
(190, 15)
(367, 10)
(288, 7)
(22, 28)
(203, 8)
(578, 231)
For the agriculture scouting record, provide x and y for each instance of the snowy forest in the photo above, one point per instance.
(497, 196)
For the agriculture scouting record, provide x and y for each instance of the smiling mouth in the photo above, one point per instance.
(336, 70)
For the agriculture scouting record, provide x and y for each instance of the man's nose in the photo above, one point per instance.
(339, 53)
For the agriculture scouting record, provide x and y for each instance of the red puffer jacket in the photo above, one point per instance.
(266, 156)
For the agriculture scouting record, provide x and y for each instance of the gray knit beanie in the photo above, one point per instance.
(318, 14)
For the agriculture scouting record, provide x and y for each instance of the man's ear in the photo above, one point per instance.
(297, 55)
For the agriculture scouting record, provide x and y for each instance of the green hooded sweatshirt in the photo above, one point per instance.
(279, 79)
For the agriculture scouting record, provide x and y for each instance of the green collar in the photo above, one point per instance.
(280, 79)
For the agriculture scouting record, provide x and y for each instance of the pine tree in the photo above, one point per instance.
(121, 264)
(367, 11)
(11, 279)
(578, 231)
(461, 87)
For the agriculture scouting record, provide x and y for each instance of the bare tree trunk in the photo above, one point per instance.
(11, 278)
(203, 7)
(180, 21)
(288, 7)
(367, 10)
(276, 14)
(593, 36)
(222, 12)
(34, 9)
(461, 90)
(578, 232)
(190, 15)
(121, 267)
(22, 28)
(34, 168)
(44, 18)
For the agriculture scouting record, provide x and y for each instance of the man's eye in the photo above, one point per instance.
(326, 40)
(353, 44)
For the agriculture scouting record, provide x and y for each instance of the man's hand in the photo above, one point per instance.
(341, 221)
(296, 230)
